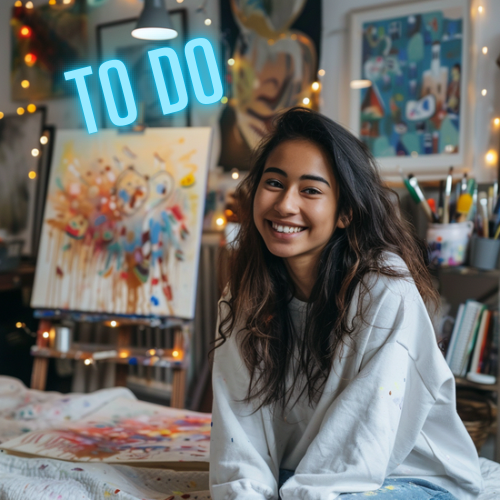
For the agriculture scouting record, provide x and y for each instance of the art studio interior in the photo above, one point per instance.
(249, 249)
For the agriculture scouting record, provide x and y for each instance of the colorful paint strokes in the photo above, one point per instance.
(122, 432)
(122, 224)
(413, 105)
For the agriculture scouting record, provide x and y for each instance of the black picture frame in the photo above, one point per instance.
(114, 40)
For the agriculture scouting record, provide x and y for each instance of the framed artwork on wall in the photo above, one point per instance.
(20, 173)
(114, 40)
(408, 85)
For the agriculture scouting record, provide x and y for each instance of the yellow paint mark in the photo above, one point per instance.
(396, 385)
(188, 180)
(380, 388)
(107, 494)
(193, 484)
(389, 487)
(369, 493)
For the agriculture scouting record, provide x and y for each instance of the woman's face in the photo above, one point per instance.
(296, 201)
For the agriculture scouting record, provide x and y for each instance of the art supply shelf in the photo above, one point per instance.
(164, 358)
(469, 279)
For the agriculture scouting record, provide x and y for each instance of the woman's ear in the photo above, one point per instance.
(343, 221)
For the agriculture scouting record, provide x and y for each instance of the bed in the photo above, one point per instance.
(23, 410)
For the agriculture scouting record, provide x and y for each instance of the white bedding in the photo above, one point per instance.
(23, 410)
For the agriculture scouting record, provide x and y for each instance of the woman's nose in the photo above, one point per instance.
(287, 203)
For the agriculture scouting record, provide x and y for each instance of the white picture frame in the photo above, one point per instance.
(438, 148)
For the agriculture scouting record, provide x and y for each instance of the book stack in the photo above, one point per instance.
(473, 346)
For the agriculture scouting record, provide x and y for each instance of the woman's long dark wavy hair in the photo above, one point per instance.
(259, 284)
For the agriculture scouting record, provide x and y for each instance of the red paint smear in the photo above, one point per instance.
(155, 281)
(186, 495)
(59, 272)
(124, 275)
(177, 212)
(117, 491)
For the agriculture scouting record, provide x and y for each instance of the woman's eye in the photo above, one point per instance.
(273, 183)
(312, 191)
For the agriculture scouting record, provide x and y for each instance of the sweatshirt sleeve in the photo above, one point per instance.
(373, 421)
(241, 465)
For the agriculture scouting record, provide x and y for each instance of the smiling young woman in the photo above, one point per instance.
(327, 376)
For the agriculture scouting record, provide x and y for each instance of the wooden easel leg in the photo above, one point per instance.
(39, 373)
(178, 388)
(40, 365)
(178, 398)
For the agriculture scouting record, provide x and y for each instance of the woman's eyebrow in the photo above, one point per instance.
(302, 177)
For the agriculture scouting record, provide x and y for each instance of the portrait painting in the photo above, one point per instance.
(270, 52)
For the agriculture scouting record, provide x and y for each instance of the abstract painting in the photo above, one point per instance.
(19, 176)
(46, 40)
(114, 41)
(122, 222)
(271, 51)
(414, 60)
(125, 431)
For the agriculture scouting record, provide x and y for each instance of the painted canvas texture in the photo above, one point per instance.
(125, 431)
(122, 222)
(415, 65)
(19, 135)
(46, 40)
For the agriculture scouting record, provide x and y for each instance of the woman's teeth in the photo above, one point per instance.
(287, 229)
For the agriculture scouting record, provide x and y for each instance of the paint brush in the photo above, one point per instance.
(447, 195)
(413, 182)
(441, 200)
(483, 202)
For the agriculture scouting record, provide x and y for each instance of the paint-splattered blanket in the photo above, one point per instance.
(23, 410)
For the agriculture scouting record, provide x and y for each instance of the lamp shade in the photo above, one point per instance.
(154, 22)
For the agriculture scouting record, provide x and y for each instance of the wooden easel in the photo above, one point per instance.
(42, 353)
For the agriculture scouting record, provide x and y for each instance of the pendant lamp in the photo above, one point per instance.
(154, 22)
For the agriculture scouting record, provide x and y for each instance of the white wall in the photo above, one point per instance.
(66, 112)
(483, 73)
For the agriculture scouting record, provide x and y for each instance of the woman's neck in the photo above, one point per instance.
(303, 272)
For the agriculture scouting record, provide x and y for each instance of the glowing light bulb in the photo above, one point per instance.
(484, 92)
(124, 354)
(484, 50)
(208, 22)
(35, 152)
(45, 335)
(44, 139)
(496, 121)
(321, 72)
(152, 352)
(1, 115)
(66, 2)
(230, 61)
(235, 173)
(180, 1)
(30, 59)
(223, 100)
(52, 2)
(175, 354)
(18, 3)
(480, 9)
(306, 100)
(113, 324)
(25, 32)
(25, 84)
(491, 157)
(219, 221)
(20, 111)
(29, 5)
(315, 86)
(32, 174)
(31, 108)
(360, 84)
(87, 362)
(19, 324)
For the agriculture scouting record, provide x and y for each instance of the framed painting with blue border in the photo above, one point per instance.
(408, 85)
(114, 40)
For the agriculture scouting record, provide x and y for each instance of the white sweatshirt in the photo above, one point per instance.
(387, 410)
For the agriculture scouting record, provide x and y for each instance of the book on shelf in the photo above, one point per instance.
(473, 346)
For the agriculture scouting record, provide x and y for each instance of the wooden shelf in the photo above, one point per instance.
(463, 382)
(163, 358)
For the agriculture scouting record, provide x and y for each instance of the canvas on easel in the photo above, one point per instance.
(122, 223)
